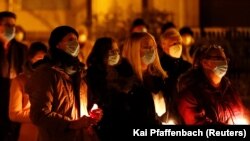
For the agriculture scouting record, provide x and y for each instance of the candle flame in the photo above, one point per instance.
(169, 122)
(95, 106)
(242, 120)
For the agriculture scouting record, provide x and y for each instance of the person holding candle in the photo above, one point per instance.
(59, 94)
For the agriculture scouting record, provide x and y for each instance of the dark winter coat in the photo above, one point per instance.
(201, 103)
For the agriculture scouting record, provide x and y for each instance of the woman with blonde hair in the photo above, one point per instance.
(151, 100)
(137, 44)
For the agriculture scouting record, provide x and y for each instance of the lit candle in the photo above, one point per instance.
(95, 106)
(239, 121)
(93, 113)
(169, 122)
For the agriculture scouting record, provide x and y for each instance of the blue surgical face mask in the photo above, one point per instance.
(148, 57)
(220, 68)
(72, 48)
(9, 33)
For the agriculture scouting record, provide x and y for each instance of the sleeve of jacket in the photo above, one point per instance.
(16, 111)
(41, 88)
(189, 110)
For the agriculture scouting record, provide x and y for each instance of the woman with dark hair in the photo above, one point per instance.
(206, 95)
(58, 92)
(110, 80)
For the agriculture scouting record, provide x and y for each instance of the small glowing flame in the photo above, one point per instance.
(169, 122)
(84, 111)
(95, 106)
(94, 114)
(241, 121)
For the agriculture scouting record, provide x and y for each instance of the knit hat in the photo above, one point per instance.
(59, 33)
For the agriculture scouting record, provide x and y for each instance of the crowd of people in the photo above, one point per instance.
(63, 92)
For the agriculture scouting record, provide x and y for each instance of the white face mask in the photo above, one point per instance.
(9, 33)
(148, 57)
(175, 51)
(221, 68)
(72, 48)
(113, 59)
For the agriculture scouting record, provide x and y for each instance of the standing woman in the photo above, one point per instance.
(58, 92)
(151, 104)
(19, 105)
(110, 81)
(206, 94)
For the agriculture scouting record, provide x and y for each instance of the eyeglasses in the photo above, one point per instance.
(217, 58)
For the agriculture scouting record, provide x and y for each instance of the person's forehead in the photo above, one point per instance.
(147, 41)
(147, 45)
(171, 32)
(9, 20)
(70, 36)
(174, 38)
(115, 45)
(171, 35)
(216, 52)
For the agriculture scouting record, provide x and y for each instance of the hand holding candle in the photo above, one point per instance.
(96, 113)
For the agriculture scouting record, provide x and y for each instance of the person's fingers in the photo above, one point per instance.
(97, 111)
